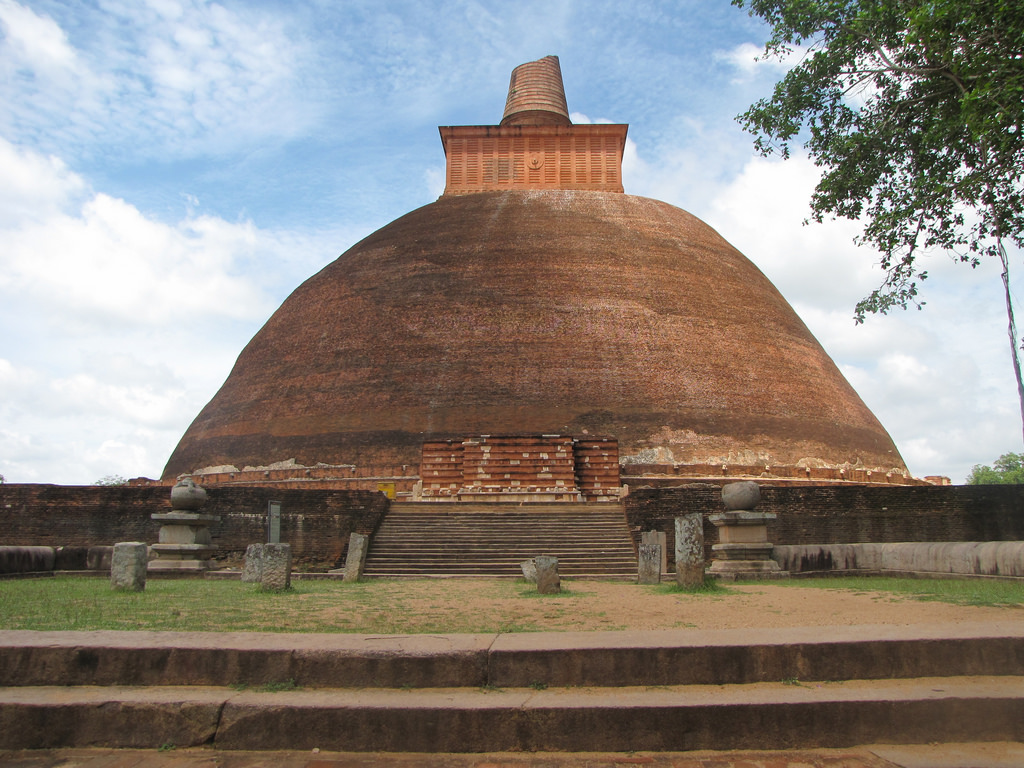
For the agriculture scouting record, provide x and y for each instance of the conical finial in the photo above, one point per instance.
(536, 95)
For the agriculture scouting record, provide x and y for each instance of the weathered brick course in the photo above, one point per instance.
(846, 514)
(317, 523)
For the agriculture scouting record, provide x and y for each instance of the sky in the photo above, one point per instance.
(171, 170)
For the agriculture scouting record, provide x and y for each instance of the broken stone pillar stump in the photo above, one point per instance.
(128, 566)
(649, 564)
(358, 544)
(548, 582)
(743, 550)
(252, 568)
(529, 569)
(277, 567)
(690, 550)
(184, 543)
(657, 537)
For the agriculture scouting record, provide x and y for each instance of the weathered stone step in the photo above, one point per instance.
(762, 716)
(661, 657)
(496, 567)
(488, 570)
(583, 527)
(493, 538)
(496, 537)
(496, 507)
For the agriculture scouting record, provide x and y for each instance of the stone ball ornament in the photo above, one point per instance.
(187, 496)
(744, 495)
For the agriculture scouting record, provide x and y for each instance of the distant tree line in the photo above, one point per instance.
(1008, 469)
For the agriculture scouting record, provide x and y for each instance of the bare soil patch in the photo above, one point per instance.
(446, 606)
(602, 605)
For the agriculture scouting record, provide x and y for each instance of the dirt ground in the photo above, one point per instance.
(603, 605)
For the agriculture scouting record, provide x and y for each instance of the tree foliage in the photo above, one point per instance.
(1008, 470)
(914, 111)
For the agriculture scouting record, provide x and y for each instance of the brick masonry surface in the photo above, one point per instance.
(317, 523)
(845, 514)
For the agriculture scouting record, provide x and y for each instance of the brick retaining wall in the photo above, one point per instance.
(837, 514)
(317, 523)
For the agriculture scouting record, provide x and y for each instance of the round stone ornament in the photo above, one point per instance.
(743, 495)
(186, 495)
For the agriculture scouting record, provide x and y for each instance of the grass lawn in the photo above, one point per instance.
(369, 607)
(427, 606)
(984, 592)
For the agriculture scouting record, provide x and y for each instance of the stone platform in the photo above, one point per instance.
(963, 755)
(675, 690)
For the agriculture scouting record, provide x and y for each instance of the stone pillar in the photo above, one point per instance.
(252, 569)
(277, 567)
(184, 541)
(548, 582)
(356, 560)
(743, 550)
(649, 564)
(690, 550)
(657, 537)
(529, 569)
(128, 566)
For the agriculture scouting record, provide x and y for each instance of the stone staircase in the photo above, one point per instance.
(673, 690)
(492, 539)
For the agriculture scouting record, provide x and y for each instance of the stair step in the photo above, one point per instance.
(520, 719)
(491, 539)
(670, 690)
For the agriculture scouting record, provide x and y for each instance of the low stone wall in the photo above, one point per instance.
(988, 558)
(26, 559)
(317, 523)
(845, 514)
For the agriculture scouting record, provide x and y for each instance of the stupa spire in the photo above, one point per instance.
(536, 95)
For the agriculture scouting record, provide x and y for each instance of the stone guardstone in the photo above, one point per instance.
(690, 550)
(745, 494)
(548, 582)
(649, 564)
(358, 544)
(252, 569)
(657, 537)
(277, 567)
(128, 566)
(529, 568)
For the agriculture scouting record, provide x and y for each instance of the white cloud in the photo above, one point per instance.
(118, 327)
(104, 261)
(34, 41)
(750, 62)
(147, 77)
(939, 379)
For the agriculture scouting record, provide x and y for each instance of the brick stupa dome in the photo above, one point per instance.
(536, 299)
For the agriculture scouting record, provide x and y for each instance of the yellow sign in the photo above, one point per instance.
(388, 489)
